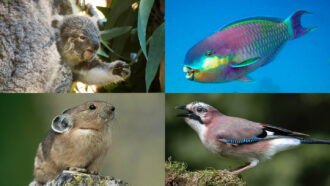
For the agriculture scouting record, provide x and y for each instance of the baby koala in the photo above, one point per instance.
(78, 141)
(78, 40)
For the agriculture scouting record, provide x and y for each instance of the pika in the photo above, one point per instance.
(78, 39)
(78, 140)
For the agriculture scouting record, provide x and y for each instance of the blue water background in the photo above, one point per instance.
(302, 65)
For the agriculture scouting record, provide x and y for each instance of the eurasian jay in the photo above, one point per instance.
(238, 138)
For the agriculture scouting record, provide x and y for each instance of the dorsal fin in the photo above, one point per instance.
(273, 19)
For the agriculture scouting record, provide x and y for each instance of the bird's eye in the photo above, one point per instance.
(92, 107)
(82, 37)
(200, 109)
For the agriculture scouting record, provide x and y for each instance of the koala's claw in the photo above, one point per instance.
(121, 69)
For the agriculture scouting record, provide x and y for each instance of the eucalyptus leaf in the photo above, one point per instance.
(156, 49)
(105, 11)
(101, 52)
(105, 44)
(117, 9)
(143, 17)
(115, 32)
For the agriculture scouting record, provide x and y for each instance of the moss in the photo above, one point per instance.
(68, 179)
(177, 174)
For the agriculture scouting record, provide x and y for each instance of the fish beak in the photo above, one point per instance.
(190, 72)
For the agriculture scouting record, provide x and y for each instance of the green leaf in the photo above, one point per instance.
(117, 8)
(102, 53)
(143, 17)
(115, 32)
(105, 11)
(112, 51)
(156, 49)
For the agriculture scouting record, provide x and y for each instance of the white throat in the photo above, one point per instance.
(197, 126)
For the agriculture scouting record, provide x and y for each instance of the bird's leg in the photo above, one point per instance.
(245, 167)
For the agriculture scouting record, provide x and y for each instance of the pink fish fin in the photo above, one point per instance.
(247, 62)
(245, 79)
(294, 25)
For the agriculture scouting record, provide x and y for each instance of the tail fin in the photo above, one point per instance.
(314, 141)
(295, 28)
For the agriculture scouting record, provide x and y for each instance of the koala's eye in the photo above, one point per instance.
(92, 107)
(82, 37)
(200, 109)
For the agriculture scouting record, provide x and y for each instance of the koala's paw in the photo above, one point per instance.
(121, 69)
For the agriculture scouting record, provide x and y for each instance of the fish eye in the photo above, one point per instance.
(209, 52)
(92, 107)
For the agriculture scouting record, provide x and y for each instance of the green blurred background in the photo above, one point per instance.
(137, 152)
(308, 113)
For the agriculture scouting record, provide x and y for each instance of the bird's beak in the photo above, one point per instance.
(183, 107)
(189, 114)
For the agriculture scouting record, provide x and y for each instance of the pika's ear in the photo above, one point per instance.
(61, 124)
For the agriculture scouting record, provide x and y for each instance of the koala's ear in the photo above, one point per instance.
(61, 124)
(57, 21)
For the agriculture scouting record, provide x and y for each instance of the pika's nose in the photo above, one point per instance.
(110, 110)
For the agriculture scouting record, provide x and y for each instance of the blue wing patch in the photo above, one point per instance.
(242, 141)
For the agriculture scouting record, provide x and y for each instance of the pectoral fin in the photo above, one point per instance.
(247, 62)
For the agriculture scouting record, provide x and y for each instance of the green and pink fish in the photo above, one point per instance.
(241, 47)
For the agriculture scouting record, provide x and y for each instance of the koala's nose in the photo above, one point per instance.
(95, 44)
(113, 109)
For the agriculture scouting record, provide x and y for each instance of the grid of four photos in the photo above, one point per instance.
(244, 99)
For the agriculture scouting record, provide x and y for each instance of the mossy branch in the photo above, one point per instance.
(177, 174)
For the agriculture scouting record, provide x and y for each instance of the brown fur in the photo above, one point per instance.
(84, 146)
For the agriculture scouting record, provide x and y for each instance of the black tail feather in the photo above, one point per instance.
(314, 141)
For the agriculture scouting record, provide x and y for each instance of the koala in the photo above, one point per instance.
(78, 39)
(78, 140)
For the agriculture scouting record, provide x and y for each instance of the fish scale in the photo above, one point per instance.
(241, 47)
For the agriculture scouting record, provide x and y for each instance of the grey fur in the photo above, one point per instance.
(25, 65)
(78, 39)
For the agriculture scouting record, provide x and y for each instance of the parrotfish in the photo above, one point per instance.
(241, 47)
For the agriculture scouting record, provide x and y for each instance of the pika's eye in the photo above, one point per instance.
(92, 107)
(200, 109)
(82, 37)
